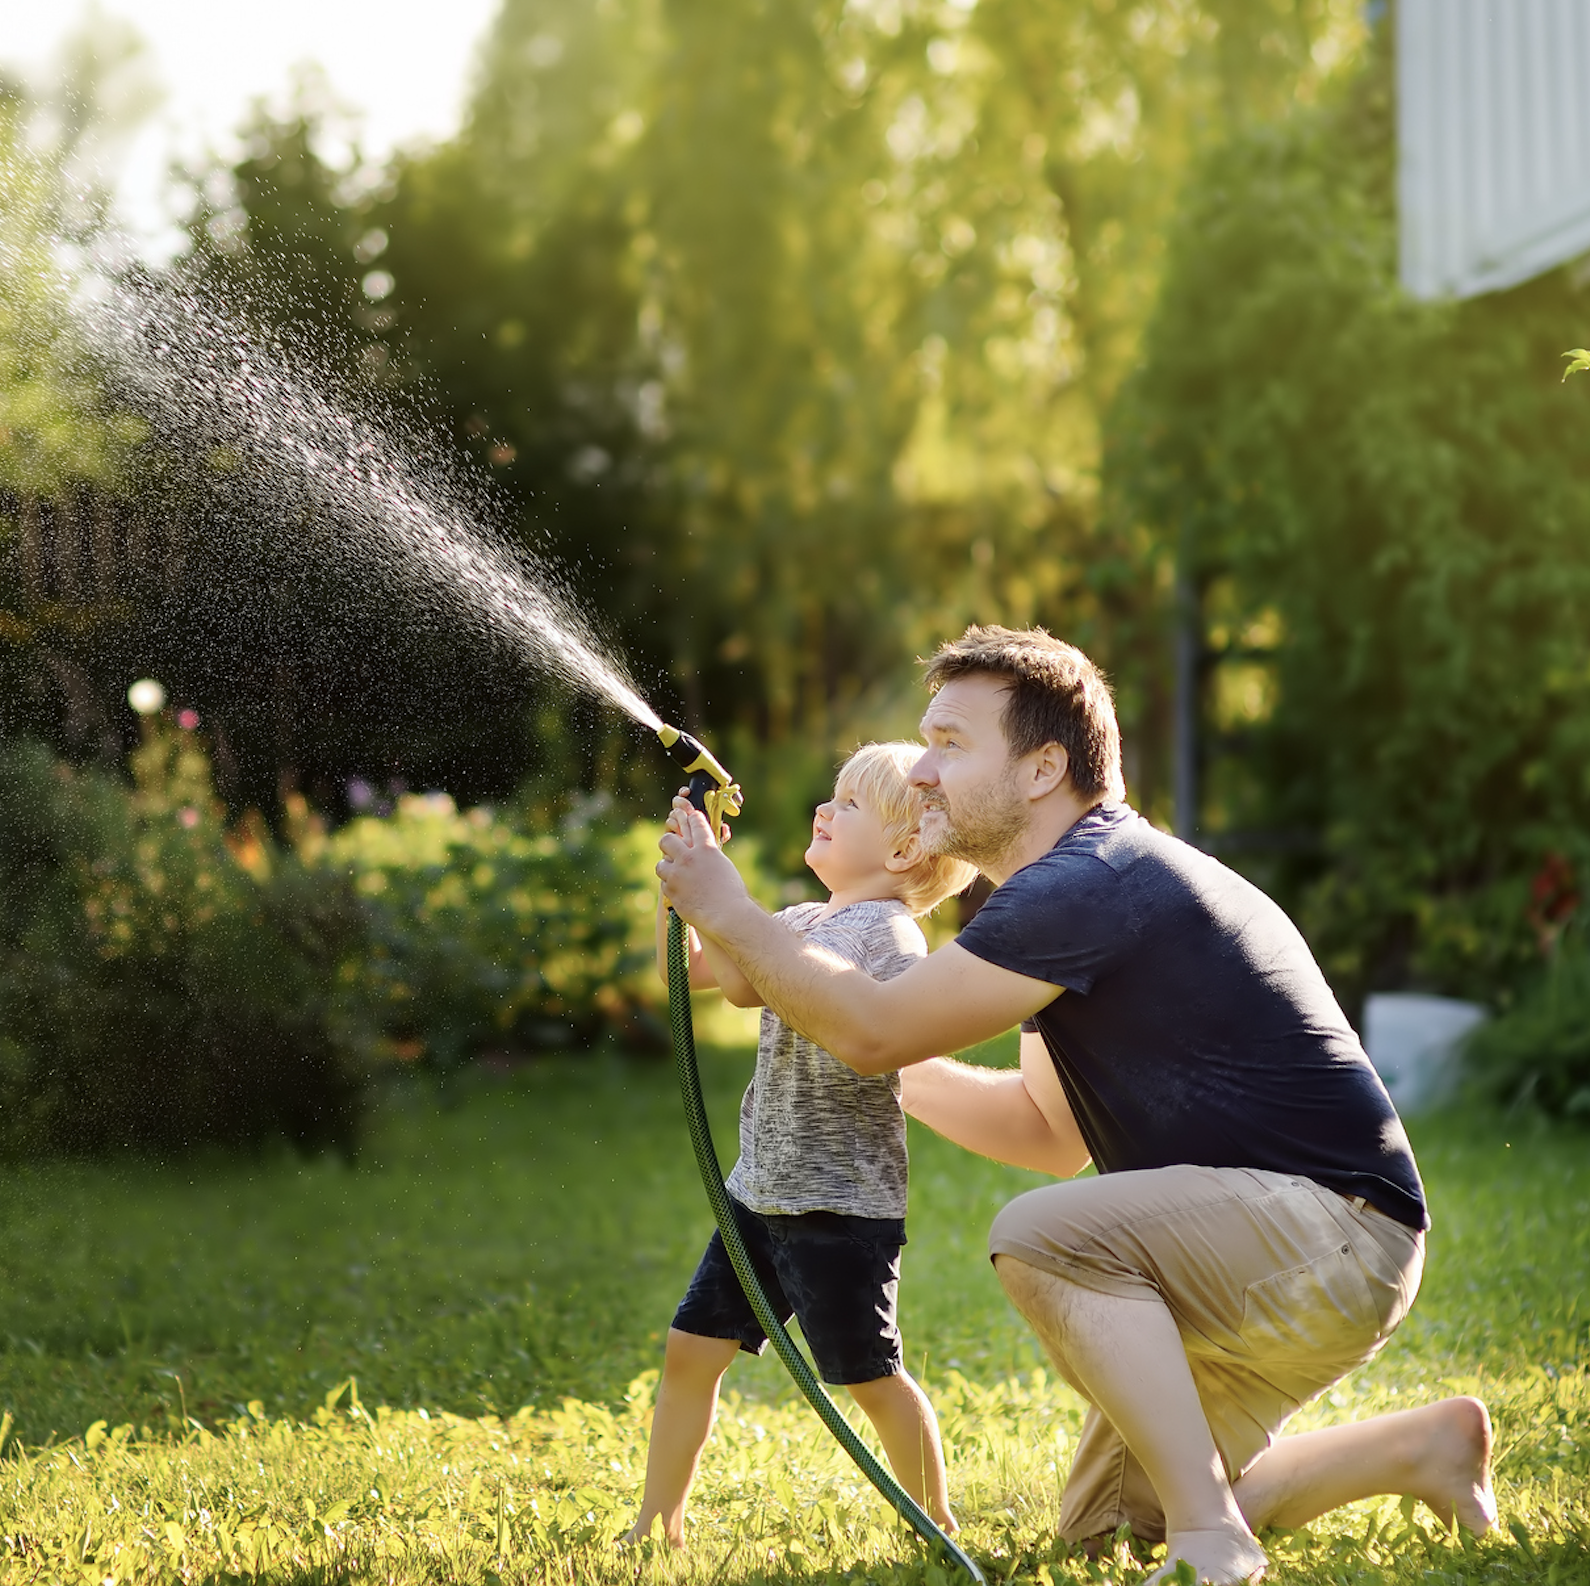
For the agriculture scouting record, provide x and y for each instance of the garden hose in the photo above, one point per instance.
(704, 783)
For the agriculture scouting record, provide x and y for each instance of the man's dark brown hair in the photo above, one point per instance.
(1056, 695)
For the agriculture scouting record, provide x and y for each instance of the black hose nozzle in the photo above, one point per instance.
(712, 790)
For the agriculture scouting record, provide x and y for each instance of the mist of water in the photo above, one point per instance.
(387, 504)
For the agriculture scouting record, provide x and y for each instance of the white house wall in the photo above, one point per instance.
(1493, 126)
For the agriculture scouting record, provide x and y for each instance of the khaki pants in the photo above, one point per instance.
(1278, 1286)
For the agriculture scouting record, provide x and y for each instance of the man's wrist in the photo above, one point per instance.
(731, 923)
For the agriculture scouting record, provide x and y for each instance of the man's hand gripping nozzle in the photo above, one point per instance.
(712, 790)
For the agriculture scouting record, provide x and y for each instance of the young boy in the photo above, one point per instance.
(819, 1191)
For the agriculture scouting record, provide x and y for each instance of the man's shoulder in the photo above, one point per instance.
(1125, 879)
(1116, 836)
(1071, 915)
(1114, 849)
(1094, 855)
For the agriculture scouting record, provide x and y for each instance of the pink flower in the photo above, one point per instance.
(188, 816)
(187, 720)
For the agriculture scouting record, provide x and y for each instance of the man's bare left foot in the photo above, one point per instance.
(1222, 1558)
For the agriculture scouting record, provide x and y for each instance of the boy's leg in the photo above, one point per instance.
(687, 1403)
(713, 1323)
(909, 1432)
(842, 1274)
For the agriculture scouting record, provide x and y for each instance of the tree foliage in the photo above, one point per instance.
(1386, 506)
(790, 330)
(68, 450)
(56, 430)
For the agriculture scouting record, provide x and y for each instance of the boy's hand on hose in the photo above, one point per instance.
(682, 797)
(697, 878)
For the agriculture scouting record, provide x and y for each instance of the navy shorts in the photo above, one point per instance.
(839, 1275)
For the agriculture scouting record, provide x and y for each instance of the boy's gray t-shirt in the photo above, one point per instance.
(815, 1135)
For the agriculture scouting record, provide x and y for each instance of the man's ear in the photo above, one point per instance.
(1047, 769)
(906, 856)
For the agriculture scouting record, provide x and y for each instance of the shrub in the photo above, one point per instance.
(485, 933)
(158, 988)
(1537, 1053)
(165, 981)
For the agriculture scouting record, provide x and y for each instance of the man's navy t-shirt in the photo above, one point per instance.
(1195, 1026)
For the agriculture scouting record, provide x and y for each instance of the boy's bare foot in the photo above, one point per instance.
(1454, 1463)
(655, 1532)
(1222, 1557)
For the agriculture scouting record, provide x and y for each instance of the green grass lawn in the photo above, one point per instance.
(500, 1274)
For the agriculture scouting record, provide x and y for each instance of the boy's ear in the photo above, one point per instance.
(906, 856)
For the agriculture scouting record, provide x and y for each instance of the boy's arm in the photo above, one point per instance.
(736, 988)
(709, 966)
(1020, 1116)
(701, 975)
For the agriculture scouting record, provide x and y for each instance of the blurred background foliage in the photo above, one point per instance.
(168, 980)
(1385, 507)
(798, 338)
(484, 933)
(155, 994)
(790, 332)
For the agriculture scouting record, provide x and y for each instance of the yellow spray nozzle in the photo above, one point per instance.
(712, 789)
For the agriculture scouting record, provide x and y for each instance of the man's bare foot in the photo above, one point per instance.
(1222, 1557)
(1454, 1466)
(1439, 1453)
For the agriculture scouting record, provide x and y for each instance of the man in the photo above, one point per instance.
(1257, 1226)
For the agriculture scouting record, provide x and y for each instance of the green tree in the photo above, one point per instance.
(890, 263)
(67, 448)
(791, 331)
(57, 431)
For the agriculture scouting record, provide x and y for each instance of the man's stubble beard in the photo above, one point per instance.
(986, 826)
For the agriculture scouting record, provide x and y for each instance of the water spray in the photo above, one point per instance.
(715, 793)
(227, 394)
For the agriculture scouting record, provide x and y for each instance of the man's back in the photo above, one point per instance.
(1195, 1027)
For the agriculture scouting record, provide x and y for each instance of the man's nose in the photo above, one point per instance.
(923, 773)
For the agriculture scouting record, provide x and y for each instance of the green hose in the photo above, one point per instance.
(712, 1177)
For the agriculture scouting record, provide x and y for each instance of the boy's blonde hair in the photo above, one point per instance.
(881, 772)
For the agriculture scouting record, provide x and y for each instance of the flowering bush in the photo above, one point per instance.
(158, 987)
(166, 980)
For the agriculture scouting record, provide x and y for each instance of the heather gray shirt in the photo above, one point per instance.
(815, 1135)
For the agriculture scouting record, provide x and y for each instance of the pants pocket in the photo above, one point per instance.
(1322, 1310)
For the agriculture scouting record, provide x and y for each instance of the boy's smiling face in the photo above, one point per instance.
(850, 846)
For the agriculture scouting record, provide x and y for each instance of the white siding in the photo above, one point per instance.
(1493, 129)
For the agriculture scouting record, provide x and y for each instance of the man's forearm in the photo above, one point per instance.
(988, 1111)
(945, 1003)
(829, 1001)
